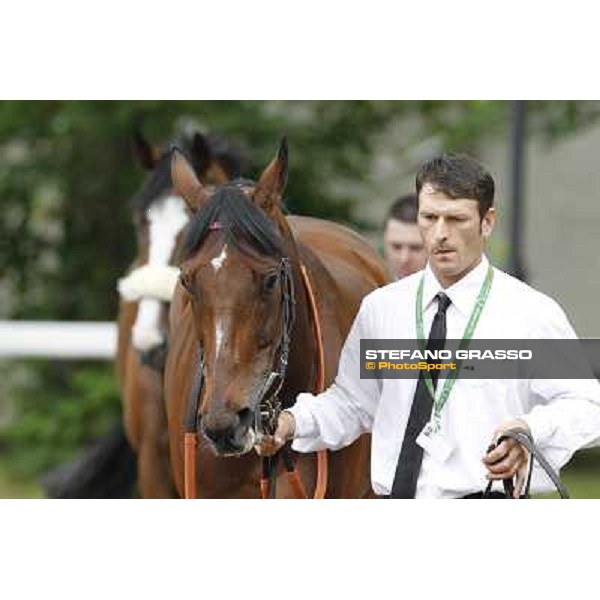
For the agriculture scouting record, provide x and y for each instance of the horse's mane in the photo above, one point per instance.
(230, 158)
(157, 182)
(243, 224)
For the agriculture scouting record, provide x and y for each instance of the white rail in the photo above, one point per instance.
(58, 339)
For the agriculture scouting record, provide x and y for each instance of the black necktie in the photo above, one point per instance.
(411, 455)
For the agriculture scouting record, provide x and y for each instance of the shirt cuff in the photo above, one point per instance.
(540, 426)
(305, 424)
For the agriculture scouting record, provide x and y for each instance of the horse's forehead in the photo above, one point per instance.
(165, 202)
(222, 261)
(165, 208)
(218, 261)
(157, 208)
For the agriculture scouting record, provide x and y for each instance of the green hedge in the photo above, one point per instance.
(62, 407)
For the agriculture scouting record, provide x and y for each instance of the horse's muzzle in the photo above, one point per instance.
(230, 433)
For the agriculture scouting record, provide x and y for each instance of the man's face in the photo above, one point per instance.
(453, 232)
(403, 248)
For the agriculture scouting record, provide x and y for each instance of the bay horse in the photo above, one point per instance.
(229, 304)
(160, 218)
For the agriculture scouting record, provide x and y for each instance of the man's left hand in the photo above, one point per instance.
(509, 458)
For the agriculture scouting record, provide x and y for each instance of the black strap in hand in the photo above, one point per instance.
(524, 437)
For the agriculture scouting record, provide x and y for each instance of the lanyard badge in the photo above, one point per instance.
(440, 399)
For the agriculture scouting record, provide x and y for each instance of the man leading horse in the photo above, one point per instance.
(458, 293)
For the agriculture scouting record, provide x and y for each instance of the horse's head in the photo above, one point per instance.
(160, 217)
(237, 276)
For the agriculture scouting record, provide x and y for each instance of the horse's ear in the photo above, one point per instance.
(270, 186)
(147, 155)
(205, 162)
(186, 182)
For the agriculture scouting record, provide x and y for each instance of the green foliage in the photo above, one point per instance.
(555, 120)
(62, 408)
(581, 476)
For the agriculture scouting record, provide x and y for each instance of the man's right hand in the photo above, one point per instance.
(286, 426)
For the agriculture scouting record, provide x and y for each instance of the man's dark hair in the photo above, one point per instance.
(458, 176)
(403, 209)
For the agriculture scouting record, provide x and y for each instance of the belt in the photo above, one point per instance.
(479, 495)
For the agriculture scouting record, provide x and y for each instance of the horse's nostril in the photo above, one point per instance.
(225, 440)
(212, 434)
(246, 417)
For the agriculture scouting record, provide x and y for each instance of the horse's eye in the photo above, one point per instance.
(270, 281)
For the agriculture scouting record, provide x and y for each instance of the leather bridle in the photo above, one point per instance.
(269, 402)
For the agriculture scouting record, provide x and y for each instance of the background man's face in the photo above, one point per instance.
(453, 232)
(403, 247)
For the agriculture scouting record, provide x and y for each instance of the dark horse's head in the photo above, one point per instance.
(160, 217)
(236, 276)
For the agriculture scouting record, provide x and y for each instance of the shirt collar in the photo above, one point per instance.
(463, 293)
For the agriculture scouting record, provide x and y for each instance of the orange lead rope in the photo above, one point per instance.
(322, 464)
(190, 443)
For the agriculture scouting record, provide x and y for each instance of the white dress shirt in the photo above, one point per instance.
(563, 415)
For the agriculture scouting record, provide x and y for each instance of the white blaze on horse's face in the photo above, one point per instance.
(166, 218)
(217, 263)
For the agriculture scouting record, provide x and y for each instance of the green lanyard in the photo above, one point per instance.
(440, 399)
